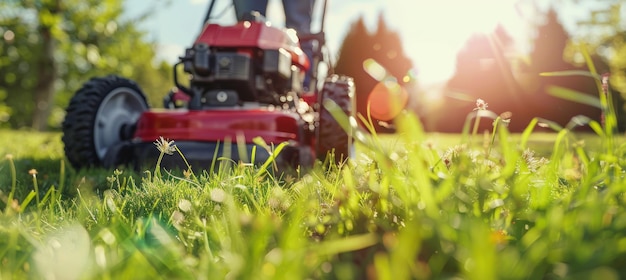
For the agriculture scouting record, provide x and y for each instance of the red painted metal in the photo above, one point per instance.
(309, 98)
(179, 95)
(218, 125)
(247, 34)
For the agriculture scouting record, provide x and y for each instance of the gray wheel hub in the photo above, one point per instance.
(120, 108)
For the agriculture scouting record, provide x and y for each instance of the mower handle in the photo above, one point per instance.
(319, 37)
(208, 13)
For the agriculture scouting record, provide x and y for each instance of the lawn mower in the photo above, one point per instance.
(243, 93)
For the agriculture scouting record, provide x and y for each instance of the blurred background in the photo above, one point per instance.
(446, 54)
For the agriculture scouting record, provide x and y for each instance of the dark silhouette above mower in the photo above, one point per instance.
(245, 81)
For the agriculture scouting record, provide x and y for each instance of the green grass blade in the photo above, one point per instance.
(273, 155)
(569, 73)
(576, 96)
(527, 132)
(347, 244)
(27, 200)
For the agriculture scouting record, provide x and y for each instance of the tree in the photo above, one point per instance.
(604, 33)
(552, 38)
(350, 61)
(548, 55)
(549, 43)
(46, 65)
(483, 71)
(384, 46)
(51, 47)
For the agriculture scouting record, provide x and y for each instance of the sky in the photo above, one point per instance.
(432, 31)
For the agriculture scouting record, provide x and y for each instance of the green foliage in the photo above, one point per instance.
(604, 31)
(385, 47)
(90, 38)
(515, 85)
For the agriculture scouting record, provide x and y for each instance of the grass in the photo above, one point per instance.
(410, 206)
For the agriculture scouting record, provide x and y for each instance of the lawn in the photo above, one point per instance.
(409, 205)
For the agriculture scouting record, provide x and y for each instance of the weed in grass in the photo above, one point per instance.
(33, 172)
(164, 147)
(9, 202)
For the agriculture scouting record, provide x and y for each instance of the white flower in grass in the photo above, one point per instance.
(480, 105)
(177, 219)
(218, 195)
(184, 205)
(165, 146)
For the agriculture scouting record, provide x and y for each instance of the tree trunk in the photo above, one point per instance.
(46, 75)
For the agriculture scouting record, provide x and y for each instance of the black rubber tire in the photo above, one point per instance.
(88, 139)
(331, 139)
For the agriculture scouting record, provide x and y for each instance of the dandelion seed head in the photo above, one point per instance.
(177, 218)
(165, 146)
(218, 195)
(184, 205)
(533, 163)
(480, 104)
(506, 116)
(505, 119)
(111, 179)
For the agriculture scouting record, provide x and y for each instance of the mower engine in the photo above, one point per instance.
(234, 65)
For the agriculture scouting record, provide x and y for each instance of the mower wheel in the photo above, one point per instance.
(333, 142)
(101, 118)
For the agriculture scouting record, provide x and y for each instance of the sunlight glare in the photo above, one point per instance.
(434, 31)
